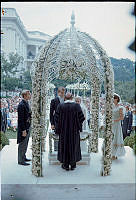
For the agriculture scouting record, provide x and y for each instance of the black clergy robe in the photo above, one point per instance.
(69, 118)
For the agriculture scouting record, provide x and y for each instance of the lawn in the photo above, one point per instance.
(11, 134)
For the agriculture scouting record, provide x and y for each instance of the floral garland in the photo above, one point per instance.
(95, 82)
(107, 145)
(40, 69)
(109, 89)
(37, 127)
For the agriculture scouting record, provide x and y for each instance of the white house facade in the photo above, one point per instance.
(16, 38)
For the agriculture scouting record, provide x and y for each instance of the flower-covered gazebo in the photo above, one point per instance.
(74, 55)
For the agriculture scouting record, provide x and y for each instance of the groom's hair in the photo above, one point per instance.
(68, 96)
(61, 89)
(24, 92)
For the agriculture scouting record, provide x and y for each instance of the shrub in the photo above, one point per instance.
(3, 140)
(131, 141)
(134, 148)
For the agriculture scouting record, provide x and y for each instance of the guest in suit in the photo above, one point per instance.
(24, 121)
(134, 118)
(127, 123)
(3, 117)
(53, 107)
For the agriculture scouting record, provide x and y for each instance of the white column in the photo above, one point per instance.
(22, 48)
(19, 46)
(25, 46)
(36, 50)
(12, 39)
(15, 40)
(17, 43)
(7, 40)
(74, 93)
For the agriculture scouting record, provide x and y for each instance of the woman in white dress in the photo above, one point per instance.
(117, 143)
(85, 127)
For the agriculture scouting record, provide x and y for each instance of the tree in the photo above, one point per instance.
(10, 83)
(9, 64)
(27, 82)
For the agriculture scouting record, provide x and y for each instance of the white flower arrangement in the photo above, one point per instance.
(44, 70)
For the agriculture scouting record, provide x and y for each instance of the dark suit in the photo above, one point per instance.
(3, 120)
(127, 124)
(24, 122)
(53, 108)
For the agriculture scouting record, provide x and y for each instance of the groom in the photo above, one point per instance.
(69, 118)
(53, 107)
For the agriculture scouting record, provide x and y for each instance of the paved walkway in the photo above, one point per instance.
(83, 183)
(69, 192)
(123, 169)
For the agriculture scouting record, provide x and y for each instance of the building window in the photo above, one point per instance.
(31, 51)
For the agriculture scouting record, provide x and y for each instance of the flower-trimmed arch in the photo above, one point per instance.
(73, 54)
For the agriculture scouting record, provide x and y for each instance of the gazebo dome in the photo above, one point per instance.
(73, 52)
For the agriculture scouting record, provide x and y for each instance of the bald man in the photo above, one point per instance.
(68, 119)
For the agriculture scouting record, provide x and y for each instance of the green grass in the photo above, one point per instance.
(11, 134)
(3, 140)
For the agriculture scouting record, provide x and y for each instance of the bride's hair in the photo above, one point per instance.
(117, 97)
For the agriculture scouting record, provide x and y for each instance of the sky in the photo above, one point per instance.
(110, 23)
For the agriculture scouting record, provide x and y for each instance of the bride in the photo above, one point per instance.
(117, 143)
(85, 127)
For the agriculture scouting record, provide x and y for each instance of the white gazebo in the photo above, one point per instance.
(74, 55)
(76, 87)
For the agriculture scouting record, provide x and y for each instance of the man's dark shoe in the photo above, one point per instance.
(73, 167)
(27, 160)
(65, 167)
(25, 164)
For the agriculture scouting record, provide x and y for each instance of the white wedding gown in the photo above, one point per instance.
(85, 130)
(117, 143)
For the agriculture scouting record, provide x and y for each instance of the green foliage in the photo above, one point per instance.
(9, 64)
(131, 141)
(124, 75)
(134, 147)
(3, 140)
(61, 82)
(11, 134)
(27, 81)
(124, 69)
(126, 89)
(9, 67)
(10, 83)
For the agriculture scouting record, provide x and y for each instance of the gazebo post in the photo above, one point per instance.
(37, 114)
(107, 144)
(95, 117)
